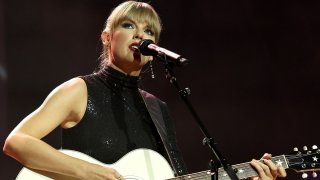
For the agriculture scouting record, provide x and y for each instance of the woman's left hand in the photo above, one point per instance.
(267, 170)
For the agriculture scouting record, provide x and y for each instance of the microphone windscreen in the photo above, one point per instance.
(143, 47)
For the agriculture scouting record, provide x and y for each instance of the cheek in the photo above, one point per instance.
(118, 42)
(116, 39)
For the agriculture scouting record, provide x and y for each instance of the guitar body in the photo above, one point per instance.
(139, 164)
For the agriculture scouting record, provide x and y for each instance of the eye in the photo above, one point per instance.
(127, 25)
(149, 31)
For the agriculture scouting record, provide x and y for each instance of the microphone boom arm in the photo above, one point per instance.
(218, 159)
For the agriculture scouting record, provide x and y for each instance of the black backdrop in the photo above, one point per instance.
(254, 72)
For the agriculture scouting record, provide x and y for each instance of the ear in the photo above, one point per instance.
(105, 38)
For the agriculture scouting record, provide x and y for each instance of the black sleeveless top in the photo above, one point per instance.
(116, 120)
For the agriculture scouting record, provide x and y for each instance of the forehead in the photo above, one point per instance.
(139, 19)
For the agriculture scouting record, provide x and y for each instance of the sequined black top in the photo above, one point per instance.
(117, 121)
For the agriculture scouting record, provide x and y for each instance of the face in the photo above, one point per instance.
(127, 34)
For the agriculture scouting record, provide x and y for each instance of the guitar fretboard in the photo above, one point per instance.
(243, 171)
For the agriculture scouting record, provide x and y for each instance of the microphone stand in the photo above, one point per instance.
(218, 159)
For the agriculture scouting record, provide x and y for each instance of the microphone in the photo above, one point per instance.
(148, 48)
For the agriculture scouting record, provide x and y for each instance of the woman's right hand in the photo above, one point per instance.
(97, 172)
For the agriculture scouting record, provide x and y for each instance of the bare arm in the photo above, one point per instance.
(65, 105)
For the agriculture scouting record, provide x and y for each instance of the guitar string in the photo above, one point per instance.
(193, 175)
(220, 176)
(291, 157)
(301, 155)
(205, 175)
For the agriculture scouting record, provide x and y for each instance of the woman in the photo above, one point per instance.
(104, 114)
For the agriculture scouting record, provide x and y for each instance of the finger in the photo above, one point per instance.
(282, 172)
(265, 168)
(119, 177)
(267, 156)
(116, 175)
(272, 167)
(262, 169)
(254, 178)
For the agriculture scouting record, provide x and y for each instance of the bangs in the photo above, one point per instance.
(140, 12)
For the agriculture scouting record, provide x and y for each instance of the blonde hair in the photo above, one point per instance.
(139, 11)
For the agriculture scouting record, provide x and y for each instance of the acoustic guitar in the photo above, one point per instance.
(145, 164)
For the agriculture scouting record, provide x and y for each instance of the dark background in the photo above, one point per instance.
(254, 72)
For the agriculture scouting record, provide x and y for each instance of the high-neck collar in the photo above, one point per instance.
(109, 74)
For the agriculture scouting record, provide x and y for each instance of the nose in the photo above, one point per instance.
(138, 34)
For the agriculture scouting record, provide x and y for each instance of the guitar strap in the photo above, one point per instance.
(164, 127)
(155, 112)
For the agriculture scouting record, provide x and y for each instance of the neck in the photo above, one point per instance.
(127, 71)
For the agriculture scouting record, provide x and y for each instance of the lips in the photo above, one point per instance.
(134, 47)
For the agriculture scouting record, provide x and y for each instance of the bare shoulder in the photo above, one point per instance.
(72, 95)
(67, 92)
(65, 104)
(73, 86)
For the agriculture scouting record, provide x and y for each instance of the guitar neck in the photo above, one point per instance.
(244, 170)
